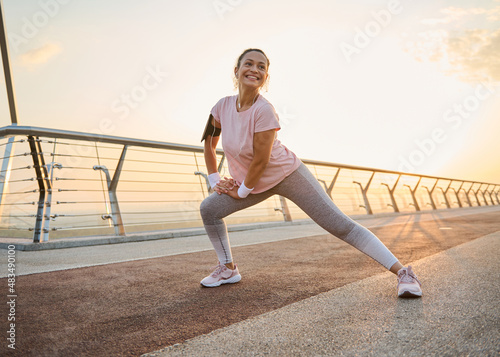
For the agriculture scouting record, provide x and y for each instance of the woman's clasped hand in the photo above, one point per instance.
(227, 185)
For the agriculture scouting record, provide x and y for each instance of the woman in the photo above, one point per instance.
(260, 167)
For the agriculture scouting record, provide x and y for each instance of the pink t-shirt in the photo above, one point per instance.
(237, 134)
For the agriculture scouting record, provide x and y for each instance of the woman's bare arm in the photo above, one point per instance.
(210, 149)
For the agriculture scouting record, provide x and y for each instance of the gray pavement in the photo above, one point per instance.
(459, 315)
(40, 261)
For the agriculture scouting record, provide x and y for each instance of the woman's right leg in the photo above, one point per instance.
(214, 208)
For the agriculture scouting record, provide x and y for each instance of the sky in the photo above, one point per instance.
(404, 85)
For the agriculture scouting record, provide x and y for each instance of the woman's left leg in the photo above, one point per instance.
(302, 188)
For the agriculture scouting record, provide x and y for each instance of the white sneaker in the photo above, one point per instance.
(408, 283)
(221, 275)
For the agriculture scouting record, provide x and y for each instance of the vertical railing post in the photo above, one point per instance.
(489, 194)
(285, 210)
(468, 192)
(482, 194)
(492, 192)
(446, 201)
(475, 194)
(456, 194)
(48, 202)
(42, 179)
(430, 192)
(496, 195)
(391, 194)
(221, 163)
(364, 191)
(329, 188)
(113, 198)
(412, 192)
(198, 172)
(207, 182)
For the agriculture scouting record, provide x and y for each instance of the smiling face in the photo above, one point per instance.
(252, 70)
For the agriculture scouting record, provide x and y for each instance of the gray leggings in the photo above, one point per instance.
(302, 188)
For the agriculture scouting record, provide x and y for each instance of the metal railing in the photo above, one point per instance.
(69, 184)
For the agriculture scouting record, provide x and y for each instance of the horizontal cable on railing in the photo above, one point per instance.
(161, 172)
(160, 162)
(192, 210)
(12, 142)
(184, 211)
(105, 223)
(79, 202)
(90, 168)
(76, 179)
(244, 214)
(123, 191)
(162, 152)
(163, 222)
(20, 193)
(17, 155)
(163, 182)
(24, 180)
(62, 215)
(17, 168)
(160, 191)
(163, 212)
(55, 216)
(129, 191)
(103, 226)
(132, 181)
(58, 215)
(128, 160)
(142, 223)
(198, 220)
(81, 145)
(83, 156)
(19, 216)
(94, 202)
(190, 173)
